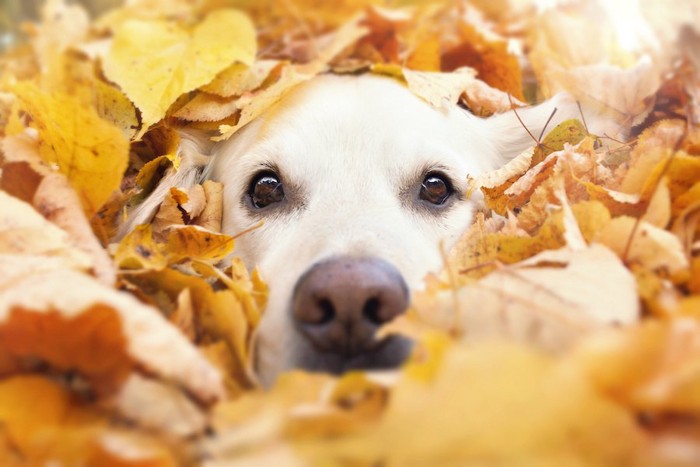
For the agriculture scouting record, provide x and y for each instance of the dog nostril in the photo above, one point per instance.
(327, 311)
(371, 311)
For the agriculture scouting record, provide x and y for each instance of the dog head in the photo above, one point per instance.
(359, 184)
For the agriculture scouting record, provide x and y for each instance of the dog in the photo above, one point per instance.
(359, 184)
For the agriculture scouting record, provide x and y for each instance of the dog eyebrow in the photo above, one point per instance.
(255, 167)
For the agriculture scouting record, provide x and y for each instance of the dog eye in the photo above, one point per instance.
(266, 189)
(435, 189)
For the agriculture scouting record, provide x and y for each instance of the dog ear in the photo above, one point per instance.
(194, 151)
(513, 132)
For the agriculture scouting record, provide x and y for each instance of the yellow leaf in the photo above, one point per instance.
(440, 88)
(155, 62)
(253, 105)
(138, 250)
(240, 78)
(207, 108)
(91, 152)
(192, 241)
(567, 132)
(77, 76)
(501, 402)
(220, 315)
(655, 145)
(653, 367)
(426, 55)
(24, 396)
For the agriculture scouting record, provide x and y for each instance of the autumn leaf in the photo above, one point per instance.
(91, 152)
(566, 315)
(47, 424)
(527, 301)
(154, 81)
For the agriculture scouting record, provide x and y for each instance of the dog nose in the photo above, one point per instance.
(339, 304)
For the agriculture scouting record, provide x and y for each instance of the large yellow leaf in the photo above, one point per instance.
(91, 152)
(155, 62)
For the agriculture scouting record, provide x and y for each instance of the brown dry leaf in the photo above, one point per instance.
(510, 189)
(164, 144)
(58, 203)
(210, 217)
(23, 231)
(479, 251)
(19, 180)
(599, 58)
(198, 205)
(651, 247)
(504, 176)
(221, 315)
(111, 333)
(169, 213)
(624, 95)
(549, 300)
(153, 81)
(654, 145)
(159, 407)
(489, 56)
(91, 152)
(23, 148)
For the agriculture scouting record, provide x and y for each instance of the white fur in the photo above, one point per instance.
(351, 144)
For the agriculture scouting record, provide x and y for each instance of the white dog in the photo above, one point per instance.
(359, 183)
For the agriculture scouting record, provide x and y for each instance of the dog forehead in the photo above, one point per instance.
(357, 103)
(355, 121)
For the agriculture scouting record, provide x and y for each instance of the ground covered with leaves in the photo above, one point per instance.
(137, 352)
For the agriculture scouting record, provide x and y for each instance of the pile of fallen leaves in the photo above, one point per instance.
(137, 352)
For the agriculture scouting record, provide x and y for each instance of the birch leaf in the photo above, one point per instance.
(155, 62)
